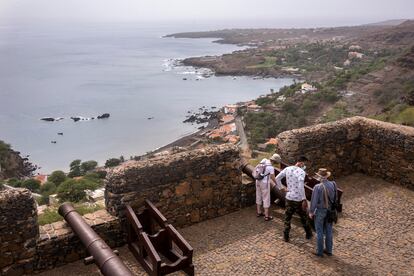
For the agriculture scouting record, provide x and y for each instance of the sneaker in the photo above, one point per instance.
(327, 253)
(286, 237)
(317, 255)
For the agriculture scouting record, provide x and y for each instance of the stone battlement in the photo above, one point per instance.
(187, 187)
(356, 144)
(193, 186)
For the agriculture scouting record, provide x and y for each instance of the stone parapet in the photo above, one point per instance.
(19, 231)
(356, 144)
(187, 187)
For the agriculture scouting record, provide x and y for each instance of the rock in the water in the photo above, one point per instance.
(104, 116)
(48, 119)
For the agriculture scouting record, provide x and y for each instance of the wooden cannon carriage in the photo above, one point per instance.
(156, 244)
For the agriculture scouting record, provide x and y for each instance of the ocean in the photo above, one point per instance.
(126, 70)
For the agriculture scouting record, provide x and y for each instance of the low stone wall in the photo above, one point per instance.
(333, 145)
(58, 245)
(26, 248)
(356, 144)
(187, 187)
(19, 231)
(387, 151)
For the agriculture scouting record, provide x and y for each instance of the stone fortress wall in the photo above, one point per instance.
(187, 187)
(193, 186)
(357, 144)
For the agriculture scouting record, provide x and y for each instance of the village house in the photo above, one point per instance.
(271, 141)
(306, 87)
(347, 63)
(254, 108)
(230, 108)
(281, 98)
(227, 119)
(42, 178)
(231, 139)
(222, 131)
(355, 47)
(352, 55)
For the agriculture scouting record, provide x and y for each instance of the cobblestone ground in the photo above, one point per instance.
(375, 236)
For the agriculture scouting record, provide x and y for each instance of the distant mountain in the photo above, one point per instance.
(393, 22)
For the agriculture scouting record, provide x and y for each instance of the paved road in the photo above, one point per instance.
(244, 145)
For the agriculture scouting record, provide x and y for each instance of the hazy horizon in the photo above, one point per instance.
(244, 14)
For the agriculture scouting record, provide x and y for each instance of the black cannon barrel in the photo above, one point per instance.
(104, 257)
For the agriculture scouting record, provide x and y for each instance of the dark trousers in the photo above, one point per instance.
(296, 207)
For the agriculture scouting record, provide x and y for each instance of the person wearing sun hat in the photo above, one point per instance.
(264, 173)
(323, 195)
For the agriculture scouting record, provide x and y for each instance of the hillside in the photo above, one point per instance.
(363, 70)
(12, 164)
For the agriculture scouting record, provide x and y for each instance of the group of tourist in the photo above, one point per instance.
(323, 199)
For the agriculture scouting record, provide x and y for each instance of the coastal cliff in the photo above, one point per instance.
(12, 164)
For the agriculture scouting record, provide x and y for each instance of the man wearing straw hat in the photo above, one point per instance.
(323, 195)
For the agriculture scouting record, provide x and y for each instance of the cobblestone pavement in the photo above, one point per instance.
(375, 236)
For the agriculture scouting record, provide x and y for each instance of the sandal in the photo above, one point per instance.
(260, 215)
(268, 218)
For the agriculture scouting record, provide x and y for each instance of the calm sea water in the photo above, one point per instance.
(124, 70)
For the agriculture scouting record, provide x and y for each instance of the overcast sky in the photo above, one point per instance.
(323, 12)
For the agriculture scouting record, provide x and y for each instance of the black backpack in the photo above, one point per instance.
(332, 214)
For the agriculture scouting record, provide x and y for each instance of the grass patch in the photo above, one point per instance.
(400, 114)
(268, 63)
(51, 215)
(339, 111)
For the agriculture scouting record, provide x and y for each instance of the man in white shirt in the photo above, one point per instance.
(295, 197)
(264, 172)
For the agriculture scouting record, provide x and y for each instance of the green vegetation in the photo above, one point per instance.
(4, 154)
(88, 166)
(268, 62)
(74, 190)
(31, 184)
(51, 215)
(399, 114)
(57, 177)
(75, 169)
(112, 162)
(48, 188)
(338, 111)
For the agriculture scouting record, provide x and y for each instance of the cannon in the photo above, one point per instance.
(102, 255)
(310, 182)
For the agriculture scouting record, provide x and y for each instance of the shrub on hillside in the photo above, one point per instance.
(88, 166)
(31, 184)
(48, 188)
(74, 190)
(112, 162)
(57, 177)
(75, 169)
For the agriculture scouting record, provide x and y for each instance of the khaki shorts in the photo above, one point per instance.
(263, 193)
